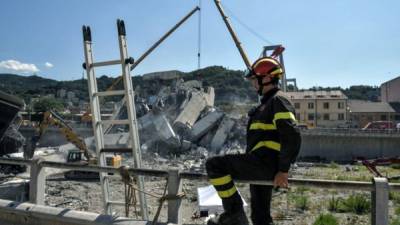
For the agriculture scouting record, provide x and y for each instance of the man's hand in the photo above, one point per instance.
(281, 180)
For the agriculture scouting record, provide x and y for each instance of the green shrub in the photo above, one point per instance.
(342, 177)
(333, 165)
(301, 202)
(395, 221)
(326, 219)
(397, 211)
(301, 190)
(358, 204)
(394, 196)
(334, 204)
(395, 166)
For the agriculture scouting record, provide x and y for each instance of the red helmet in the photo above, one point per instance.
(266, 66)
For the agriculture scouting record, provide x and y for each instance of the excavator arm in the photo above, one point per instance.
(52, 118)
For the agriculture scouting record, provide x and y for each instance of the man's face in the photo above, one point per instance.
(254, 82)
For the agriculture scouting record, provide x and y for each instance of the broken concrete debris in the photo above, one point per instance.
(190, 113)
(205, 124)
(177, 119)
(189, 107)
(220, 137)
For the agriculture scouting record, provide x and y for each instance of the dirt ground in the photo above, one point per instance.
(286, 210)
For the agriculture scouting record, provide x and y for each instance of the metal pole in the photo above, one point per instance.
(284, 82)
(199, 39)
(233, 34)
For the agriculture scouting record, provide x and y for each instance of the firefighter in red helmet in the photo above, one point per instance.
(273, 143)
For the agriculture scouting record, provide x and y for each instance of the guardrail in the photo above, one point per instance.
(379, 187)
(355, 131)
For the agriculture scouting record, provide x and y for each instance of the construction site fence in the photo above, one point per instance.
(379, 186)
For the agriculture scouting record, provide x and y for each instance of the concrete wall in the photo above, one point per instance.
(345, 147)
(341, 146)
(390, 91)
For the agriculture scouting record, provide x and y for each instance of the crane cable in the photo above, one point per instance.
(248, 28)
(199, 39)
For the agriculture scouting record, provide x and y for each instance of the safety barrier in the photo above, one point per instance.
(379, 186)
(353, 132)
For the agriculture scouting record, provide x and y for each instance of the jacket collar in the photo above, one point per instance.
(269, 95)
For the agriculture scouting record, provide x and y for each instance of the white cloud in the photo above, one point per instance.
(18, 66)
(48, 65)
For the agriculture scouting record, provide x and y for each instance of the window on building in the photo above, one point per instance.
(341, 116)
(297, 105)
(297, 116)
(326, 116)
(311, 105)
(383, 117)
(340, 105)
(311, 116)
(326, 105)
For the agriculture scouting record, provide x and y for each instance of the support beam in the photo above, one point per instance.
(37, 183)
(380, 201)
(174, 206)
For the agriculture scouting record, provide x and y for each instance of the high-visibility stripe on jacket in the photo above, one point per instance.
(272, 130)
(224, 186)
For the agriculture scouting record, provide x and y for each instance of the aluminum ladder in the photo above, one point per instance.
(128, 93)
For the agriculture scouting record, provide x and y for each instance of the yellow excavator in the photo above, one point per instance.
(81, 156)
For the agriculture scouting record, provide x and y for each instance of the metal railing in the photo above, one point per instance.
(352, 131)
(379, 187)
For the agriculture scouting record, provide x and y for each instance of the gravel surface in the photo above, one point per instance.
(86, 195)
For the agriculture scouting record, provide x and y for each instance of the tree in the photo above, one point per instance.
(48, 103)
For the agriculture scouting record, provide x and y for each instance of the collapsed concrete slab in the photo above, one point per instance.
(191, 111)
(220, 137)
(210, 96)
(155, 126)
(205, 124)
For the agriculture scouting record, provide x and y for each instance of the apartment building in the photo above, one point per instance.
(320, 108)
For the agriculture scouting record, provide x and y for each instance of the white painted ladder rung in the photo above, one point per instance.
(106, 63)
(115, 122)
(109, 93)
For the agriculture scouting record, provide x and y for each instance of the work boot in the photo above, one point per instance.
(238, 218)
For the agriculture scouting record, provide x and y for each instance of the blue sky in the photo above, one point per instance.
(328, 43)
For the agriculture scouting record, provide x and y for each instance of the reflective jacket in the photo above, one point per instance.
(272, 133)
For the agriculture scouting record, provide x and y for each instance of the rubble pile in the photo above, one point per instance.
(181, 119)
